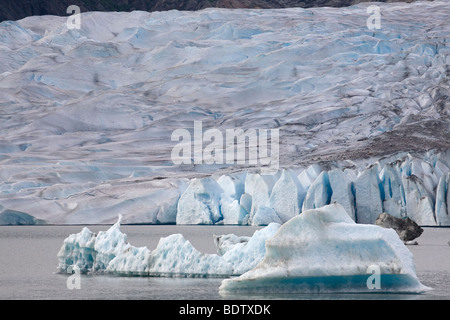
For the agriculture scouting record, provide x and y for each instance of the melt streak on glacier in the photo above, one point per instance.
(86, 115)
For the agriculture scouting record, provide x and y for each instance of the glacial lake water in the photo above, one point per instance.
(28, 266)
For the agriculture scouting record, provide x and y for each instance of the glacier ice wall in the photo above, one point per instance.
(404, 187)
(86, 116)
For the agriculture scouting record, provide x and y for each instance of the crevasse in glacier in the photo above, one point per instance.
(443, 201)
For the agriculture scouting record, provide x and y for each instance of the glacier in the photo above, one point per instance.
(324, 250)
(86, 115)
(403, 186)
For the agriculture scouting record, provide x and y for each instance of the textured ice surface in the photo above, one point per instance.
(87, 115)
(200, 202)
(443, 201)
(12, 217)
(321, 250)
(109, 252)
(368, 196)
(319, 193)
(324, 250)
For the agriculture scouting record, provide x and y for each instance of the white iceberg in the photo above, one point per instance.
(245, 255)
(174, 256)
(324, 250)
(77, 250)
(92, 252)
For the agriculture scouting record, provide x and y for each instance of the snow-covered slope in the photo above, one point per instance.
(86, 116)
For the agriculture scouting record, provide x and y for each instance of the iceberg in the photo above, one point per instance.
(246, 255)
(77, 250)
(321, 250)
(92, 252)
(175, 256)
(130, 262)
(109, 252)
(324, 250)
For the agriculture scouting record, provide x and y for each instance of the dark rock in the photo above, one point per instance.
(406, 228)
(18, 9)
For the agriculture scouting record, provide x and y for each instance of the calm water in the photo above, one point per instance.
(28, 264)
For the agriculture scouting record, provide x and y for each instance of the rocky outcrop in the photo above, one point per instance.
(406, 228)
(15, 10)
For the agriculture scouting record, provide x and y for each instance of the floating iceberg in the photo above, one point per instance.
(109, 252)
(321, 250)
(324, 250)
(92, 252)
